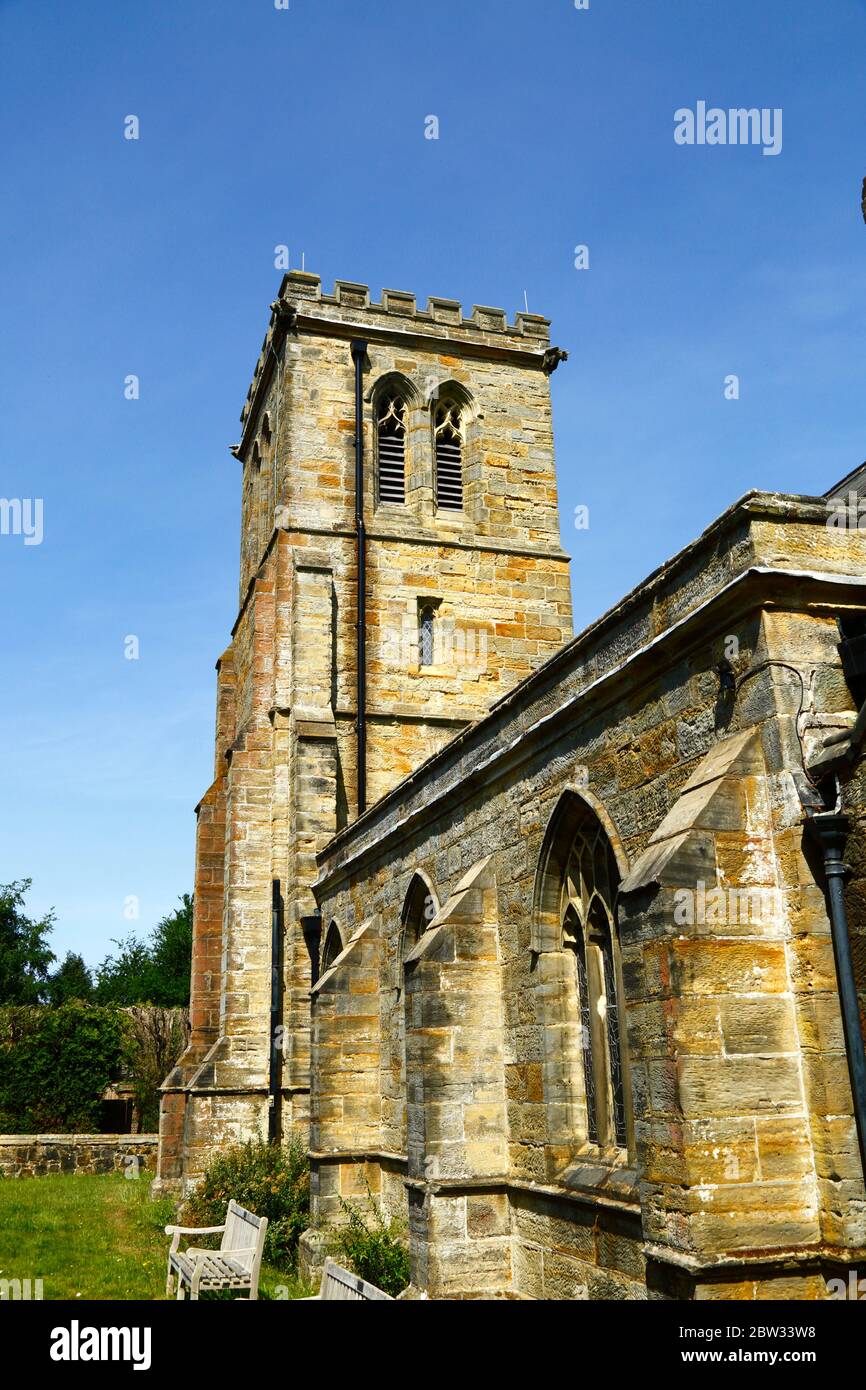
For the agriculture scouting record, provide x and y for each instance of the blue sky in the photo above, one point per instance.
(305, 126)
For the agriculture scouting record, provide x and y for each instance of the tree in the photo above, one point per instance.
(157, 972)
(125, 978)
(171, 956)
(71, 980)
(24, 952)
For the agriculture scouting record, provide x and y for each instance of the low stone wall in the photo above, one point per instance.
(35, 1155)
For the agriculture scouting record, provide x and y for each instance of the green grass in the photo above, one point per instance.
(96, 1238)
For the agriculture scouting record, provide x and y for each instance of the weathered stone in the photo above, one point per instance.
(571, 854)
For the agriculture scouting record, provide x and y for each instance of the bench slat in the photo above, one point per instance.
(341, 1285)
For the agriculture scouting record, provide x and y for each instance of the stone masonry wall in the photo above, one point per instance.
(35, 1155)
(740, 1176)
(286, 775)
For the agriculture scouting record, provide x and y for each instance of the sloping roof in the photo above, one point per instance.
(855, 481)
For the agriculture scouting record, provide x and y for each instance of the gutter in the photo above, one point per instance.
(830, 832)
(359, 356)
(276, 998)
(837, 758)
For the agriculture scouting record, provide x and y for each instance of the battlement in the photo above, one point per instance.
(302, 307)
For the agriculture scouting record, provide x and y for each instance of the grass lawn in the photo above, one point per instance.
(96, 1237)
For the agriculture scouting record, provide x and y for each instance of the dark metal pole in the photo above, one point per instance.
(276, 994)
(359, 355)
(831, 832)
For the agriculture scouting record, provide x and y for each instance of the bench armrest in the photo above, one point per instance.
(177, 1231)
(193, 1230)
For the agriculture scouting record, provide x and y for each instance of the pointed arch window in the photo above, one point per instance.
(391, 448)
(448, 450)
(333, 947)
(267, 474)
(256, 504)
(420, 906)
(588, 916)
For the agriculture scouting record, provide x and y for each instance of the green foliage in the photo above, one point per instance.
(374, 1249)
(126, 977)
(156, 973)
(71, 980)
(171, 956)
(55, 1064)
(24, 952)
(267, 1179)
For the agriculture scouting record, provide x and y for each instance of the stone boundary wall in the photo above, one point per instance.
(35, 1155)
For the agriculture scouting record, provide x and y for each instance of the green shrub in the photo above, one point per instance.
(374, 1249)
(55, 1065)
(267, 1179)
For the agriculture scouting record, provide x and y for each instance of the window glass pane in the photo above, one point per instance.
(333, 947)
(586, 1045)
(613, 1043)
(425, 635)
(588, 906)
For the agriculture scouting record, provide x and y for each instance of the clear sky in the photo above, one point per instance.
(306, 127)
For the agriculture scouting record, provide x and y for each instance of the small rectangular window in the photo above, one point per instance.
(426, 634)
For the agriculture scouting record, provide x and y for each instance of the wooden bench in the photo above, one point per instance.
(339, 1283)
(235, 1265)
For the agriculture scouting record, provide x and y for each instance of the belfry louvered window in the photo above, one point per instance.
(589, 930)
(448, 441)
(391, 449)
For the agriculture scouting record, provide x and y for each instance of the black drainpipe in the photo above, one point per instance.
(359, 354)
(830, 830)
(276, 996)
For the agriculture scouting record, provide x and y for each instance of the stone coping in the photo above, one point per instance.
(19, 1139)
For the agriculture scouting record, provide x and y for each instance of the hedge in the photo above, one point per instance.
(55, 1065)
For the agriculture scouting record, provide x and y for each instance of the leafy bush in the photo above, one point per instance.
(55, 1064)
(267, 1179)
(375, 1249)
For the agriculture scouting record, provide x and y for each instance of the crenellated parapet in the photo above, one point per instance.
(349, 312)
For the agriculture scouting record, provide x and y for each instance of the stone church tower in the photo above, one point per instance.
(375, 622)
